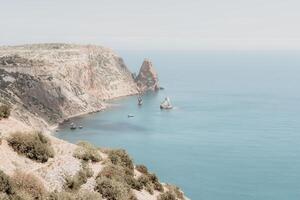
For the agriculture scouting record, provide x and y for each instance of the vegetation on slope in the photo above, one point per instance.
(149, 180)
(116, 179)
(73, 183)
(34, 145)
(4, 111)
(86, 151)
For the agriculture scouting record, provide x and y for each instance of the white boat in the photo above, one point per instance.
(73, 126)
(166, 104)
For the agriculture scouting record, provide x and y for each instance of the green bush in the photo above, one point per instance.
(4, 111)
(5, 184)
(73, 183)
(112, 189)
(142, 168)
(167, 196)
(85, 151)
(33, 145)
(144, 180)
(176, 191)
(157, 185)
(150, 181)
(121, 158)
(87, 170)
(120, 174)
(133, 183)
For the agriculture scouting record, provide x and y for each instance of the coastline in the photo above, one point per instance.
(53, 128)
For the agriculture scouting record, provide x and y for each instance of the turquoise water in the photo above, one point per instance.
(234, 133)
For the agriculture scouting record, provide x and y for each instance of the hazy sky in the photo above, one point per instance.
(154, 24)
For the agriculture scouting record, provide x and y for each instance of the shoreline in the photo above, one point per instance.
(52, 129)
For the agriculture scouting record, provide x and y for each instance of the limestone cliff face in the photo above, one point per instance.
(46, 83)
(147, 78)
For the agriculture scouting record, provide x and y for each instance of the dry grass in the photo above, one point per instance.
(26, 184)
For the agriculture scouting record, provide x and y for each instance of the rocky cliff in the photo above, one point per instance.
(46, 83)
(147, 78)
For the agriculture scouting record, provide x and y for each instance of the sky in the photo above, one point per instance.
(154, 24)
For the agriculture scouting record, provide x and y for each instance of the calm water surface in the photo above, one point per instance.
(234, 133)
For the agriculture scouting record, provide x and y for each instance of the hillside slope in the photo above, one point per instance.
(47, 83)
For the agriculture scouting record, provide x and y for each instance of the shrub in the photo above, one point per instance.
(4, 111)
(74, 183)
(121, 158)
(112, 189)
(25, 183)
(157, 185)
(85, 151)
(133, 183)
(150, 181)
(33, 145)
(112, 172)
(149, 189)
(88, 171)
(142, 168)
(5, 184)
(167, 196)
(176, 191)
(120, 174)
(144, 180)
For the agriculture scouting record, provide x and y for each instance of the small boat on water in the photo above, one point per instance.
(80, 127)
(166, 104)
(129, 116)
(73, 126)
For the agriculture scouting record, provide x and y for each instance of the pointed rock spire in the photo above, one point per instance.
(147, 78)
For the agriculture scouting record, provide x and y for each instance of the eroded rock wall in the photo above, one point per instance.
(46, 83)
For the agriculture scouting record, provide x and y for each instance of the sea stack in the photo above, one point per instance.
(147, 78)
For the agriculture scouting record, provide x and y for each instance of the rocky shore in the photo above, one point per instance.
(45, 84)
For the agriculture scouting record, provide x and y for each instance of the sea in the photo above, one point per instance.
(234, 131)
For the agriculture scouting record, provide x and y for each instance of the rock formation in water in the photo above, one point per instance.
(147, 78)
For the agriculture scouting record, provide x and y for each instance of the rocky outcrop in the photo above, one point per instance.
(46, 83)
(147, 78)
